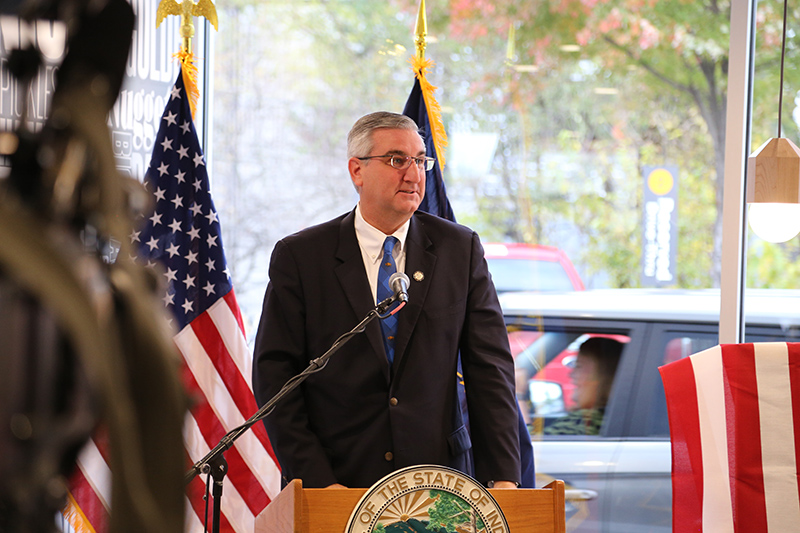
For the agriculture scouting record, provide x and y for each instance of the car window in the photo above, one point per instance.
(528, 275)
(672, 345)
(564, 379)
(779, 333)
(676, 344)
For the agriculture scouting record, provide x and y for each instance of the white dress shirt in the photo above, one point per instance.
(370, 240)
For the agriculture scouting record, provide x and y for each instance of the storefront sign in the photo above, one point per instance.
(660, 228)
(149, 74)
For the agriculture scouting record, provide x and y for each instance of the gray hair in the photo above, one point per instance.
(359, 140)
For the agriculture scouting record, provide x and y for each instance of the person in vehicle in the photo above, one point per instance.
(592, 376)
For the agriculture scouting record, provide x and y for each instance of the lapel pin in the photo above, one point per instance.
(418, 276)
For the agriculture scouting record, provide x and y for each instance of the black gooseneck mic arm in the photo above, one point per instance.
(214, 461)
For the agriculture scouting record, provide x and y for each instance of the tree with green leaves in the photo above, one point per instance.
(669, 62)
(451, 511)
(536, 76)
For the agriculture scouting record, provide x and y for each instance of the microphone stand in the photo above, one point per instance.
(214, 461)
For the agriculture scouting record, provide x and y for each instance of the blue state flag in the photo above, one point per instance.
(429, 120)
(435, 200)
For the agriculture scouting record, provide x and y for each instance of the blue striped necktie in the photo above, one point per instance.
(387, 268)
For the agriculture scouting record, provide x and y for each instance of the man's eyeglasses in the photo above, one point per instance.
(402, 162)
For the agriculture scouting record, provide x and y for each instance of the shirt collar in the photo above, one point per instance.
(371, 238)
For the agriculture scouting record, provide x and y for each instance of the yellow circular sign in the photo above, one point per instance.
(660, 181)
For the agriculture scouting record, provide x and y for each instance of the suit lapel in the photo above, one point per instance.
(420, 264)
(353, 279)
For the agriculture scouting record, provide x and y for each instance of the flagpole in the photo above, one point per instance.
(421, 31)
(187, 10)
(426, 112)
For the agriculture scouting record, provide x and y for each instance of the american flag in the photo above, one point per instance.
(734, 415)
(182, 236)
(86, 510)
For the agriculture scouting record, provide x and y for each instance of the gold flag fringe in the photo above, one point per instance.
(73, 514)
(189, 73)
(420, 68)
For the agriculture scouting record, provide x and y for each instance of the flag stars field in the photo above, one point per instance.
(170, 118)
(209, 288)
(170, 274)
(178, 174)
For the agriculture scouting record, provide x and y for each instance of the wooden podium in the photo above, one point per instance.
(299, 510)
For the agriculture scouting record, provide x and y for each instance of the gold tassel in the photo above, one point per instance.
(75, 517)
(189, 73)
(420, 68)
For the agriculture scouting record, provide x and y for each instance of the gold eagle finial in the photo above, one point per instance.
(187, 9)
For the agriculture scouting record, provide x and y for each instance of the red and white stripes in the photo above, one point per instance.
(216, 374)
(734, 414)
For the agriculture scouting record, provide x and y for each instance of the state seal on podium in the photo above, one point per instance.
(427, 498)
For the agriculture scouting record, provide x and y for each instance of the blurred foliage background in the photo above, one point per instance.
(552, 108)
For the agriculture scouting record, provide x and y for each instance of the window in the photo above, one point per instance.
(564, 378)
(558, 121)
(671, 344)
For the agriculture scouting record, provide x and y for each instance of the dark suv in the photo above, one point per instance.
(618, 479)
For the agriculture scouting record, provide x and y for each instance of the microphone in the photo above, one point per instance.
(398, 282)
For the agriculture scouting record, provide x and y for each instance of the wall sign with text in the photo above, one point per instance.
(660, 226)
(150, 73)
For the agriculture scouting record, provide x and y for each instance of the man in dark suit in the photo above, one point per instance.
(365, 414)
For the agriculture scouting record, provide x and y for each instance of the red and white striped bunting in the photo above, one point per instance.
(734, 413)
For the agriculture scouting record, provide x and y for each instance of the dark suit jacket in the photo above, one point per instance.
(355, 421)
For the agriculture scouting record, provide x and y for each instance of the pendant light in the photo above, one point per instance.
(773, 179)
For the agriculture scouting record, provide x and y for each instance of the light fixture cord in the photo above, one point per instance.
(783, 54)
